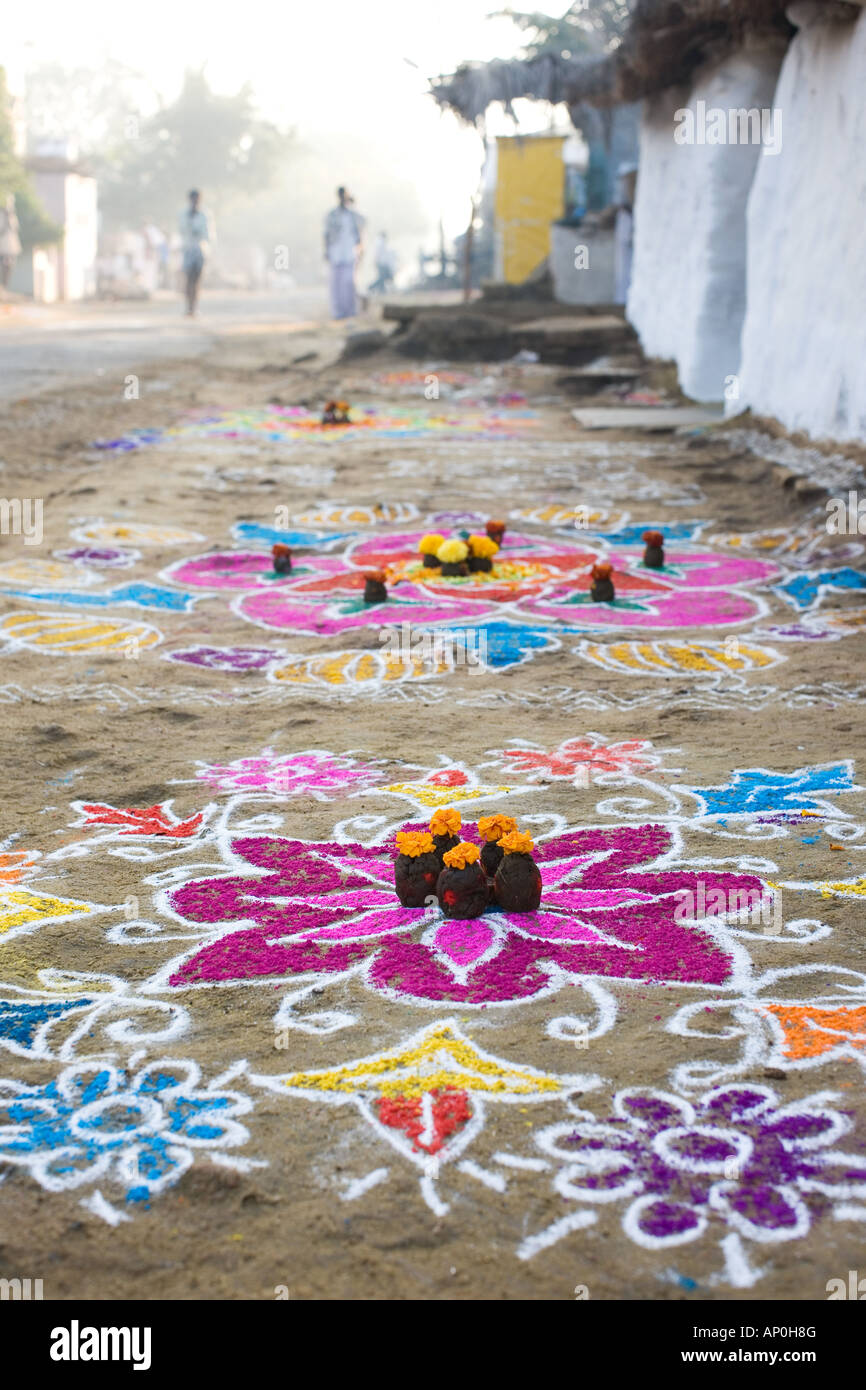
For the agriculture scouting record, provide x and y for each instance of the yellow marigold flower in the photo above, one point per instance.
(414, 842)
(461, 855)
(494, 827)
(445, 822)
(429, 544)
(483, 547)
(452, 552)
(516, 843)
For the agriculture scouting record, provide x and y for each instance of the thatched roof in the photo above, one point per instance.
(665, 41)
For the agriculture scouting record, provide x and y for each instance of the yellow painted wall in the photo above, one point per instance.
(530, 188)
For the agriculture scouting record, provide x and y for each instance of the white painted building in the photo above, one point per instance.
(68, 194)
(750, 258)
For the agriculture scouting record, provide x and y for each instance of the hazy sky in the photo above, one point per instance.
(339, 64)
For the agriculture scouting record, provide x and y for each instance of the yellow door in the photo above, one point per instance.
(530, 187)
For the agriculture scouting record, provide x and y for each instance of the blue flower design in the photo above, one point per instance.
(99, 1123)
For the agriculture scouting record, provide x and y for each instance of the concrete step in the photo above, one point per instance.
(639, 417)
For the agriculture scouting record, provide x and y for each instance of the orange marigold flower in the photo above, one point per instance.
(492, 828)
(461, 855)
(445, 822)
(517, 843)
(414, 842)
(483, 546)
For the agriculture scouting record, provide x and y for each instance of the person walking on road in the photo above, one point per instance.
(383, 258)
(344, 244)
(196, 234)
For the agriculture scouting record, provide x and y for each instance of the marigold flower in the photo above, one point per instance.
(414, 842)
(445, 821)
(517, 843)
(602, 570)
(483, 547)
(461, 855)
(429, 544)
(493, 828)
(452, 552)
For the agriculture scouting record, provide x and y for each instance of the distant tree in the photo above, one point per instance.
(201, 140)
(587, 29)
(36, 227)
(96, 108)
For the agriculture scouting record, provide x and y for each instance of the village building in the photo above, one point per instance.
(749, 261)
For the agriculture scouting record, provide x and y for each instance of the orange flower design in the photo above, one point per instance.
(810, 1032)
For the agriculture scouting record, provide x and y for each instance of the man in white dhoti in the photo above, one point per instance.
(344, 243)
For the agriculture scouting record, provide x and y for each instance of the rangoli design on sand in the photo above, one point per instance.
(277, 424)
(315, 773)
(714, 1156)
(609, 910)
(428, 1100)
(133, 1133)
(737, 1158)
(587, 753)
(532, 581)
(61, 633)
(133, 533)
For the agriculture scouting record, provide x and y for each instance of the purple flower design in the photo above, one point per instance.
(737, 1156)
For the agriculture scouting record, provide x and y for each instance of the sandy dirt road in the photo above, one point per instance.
(234, 1066)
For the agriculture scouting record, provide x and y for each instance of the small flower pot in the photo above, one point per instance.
(517, 885)
(602, 591)
(480, 564)
(282, 559)
(453, 568)
(375, 591)
(431, 563)
(491, 857)
(463, 893)
(443, 843)
(415, 877)
(654, 557)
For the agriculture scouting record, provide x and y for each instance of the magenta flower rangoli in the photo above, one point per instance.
(327, 908)
(533, 580)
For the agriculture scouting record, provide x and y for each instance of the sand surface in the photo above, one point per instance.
(277, 1084)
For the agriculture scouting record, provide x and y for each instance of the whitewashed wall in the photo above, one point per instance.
(687, 297)
(804, 337)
